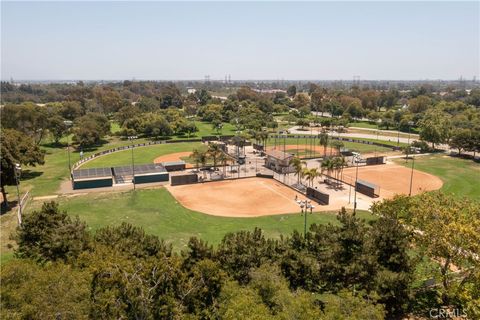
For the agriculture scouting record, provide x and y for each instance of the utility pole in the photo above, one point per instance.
(68, 124)
(305, 205)
(355, 193)
(411, 176)
(18, 172)
(131, 138)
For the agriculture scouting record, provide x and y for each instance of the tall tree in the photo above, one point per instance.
(323, 140)
(291, 91)
(448, 229)
(51, 234)
(16, 147)
(435, 127)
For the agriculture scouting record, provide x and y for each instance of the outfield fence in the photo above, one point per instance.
(24, 202)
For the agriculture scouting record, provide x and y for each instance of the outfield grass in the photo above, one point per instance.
(157, 211)
(142, 155)
(460, 176)
(357, 147)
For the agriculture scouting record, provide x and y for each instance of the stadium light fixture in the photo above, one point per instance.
(18, 172)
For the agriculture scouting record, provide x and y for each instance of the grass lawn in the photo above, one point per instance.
(205, 129)
(157, 211)
(363, 124)
(460, 176)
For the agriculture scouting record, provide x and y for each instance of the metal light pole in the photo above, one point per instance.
(411, 176)
(410, 123)
(304, 206)
(131, 138)
(68, 124)
(18, 171)
(398, 135)
(349, 194)
(355, 193)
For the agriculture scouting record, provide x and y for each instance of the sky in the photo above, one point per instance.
(248, 40)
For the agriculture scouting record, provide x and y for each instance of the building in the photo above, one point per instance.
(279, 161)
(92, 178)
(144, 173)
(108, 177)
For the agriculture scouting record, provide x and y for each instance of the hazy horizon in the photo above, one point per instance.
(251, 41)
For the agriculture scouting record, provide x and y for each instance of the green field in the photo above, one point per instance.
(205, 129)
(157, 211)
(46, 179)
(460, 176)
(358, 147)
(363, 124)
(142, 155)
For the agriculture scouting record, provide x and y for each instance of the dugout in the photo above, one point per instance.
(375, 160)
(320, 197)
(367, 188)
(145, 173)
(177, 180)
(174, 165)
(92, 178)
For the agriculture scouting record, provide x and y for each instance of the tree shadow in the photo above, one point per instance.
(29, 174)
(54, 145)
(11, 205)
(91, 148)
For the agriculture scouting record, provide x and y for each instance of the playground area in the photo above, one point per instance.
(249, 197)
(393, 179)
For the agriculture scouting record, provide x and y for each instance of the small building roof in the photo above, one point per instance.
(142, 169)
(173, 163)
(280, 155)
(368, 184)
(92, 174)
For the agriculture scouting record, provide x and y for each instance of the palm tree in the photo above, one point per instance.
(337, 145)
(297, 164)
(239, 141)
(323, 141)
(327, 165)
(195, 156)
(336, 166)
(310, 174)
(263, 136)
(200, 157)
(342, 163)
(223, 159)
(214, 152)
